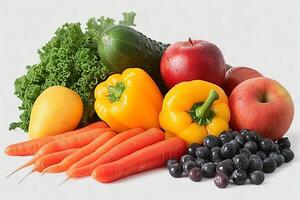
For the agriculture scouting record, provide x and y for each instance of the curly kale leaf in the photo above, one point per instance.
(69, 59)
(128, 19)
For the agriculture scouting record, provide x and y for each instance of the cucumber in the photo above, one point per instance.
(122, 47)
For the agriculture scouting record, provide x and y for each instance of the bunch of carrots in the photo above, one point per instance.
(98, 151)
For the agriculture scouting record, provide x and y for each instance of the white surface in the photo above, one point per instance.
(261, 34)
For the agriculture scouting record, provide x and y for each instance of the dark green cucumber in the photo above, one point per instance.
(122, 47)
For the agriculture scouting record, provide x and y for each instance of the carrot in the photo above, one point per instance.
(127, 147)
(73, 141)
(32, 146)
(44, 161)
(121, 137)
(48, 160)
(82, 152)
(147, 158)
(51, 159)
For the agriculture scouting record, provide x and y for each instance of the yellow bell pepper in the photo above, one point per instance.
(129, 100)
(194, 109)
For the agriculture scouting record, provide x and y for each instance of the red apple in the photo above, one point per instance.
(236, 75)
(263, 105)
(190, 60)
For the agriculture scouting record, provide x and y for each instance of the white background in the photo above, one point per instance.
(262, 34)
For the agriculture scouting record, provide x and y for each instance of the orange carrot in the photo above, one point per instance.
(82, 152)
(32, 146)
(47, 160)
(147, 158)
(75, 141)
(69, 142)
(121, 137)
(44, 161)
(127, 147)
(51, 159)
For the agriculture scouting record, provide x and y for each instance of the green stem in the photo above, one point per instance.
(115, 91)
(203, 110)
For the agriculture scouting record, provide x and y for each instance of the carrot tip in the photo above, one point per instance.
(25, 176)
(11, 173)
(7, 151)
(19, 168)
(64, 181)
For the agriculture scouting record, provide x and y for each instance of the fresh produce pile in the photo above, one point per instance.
(109, 102)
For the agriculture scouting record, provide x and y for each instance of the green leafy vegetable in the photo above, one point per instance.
(128, 19)
(69, 59)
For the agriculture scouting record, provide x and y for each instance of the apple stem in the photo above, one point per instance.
(190, 40)
(202, 111)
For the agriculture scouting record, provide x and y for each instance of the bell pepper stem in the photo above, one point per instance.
(203, 110)
(115, 91)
